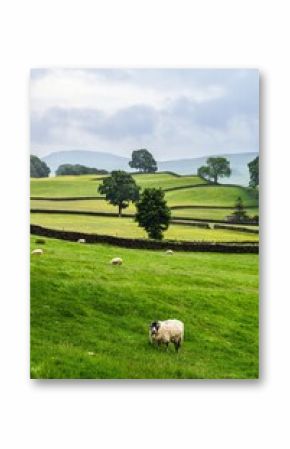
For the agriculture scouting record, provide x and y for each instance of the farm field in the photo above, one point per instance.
(87, 185)
(99, 205)
(94, 205)
(126, 227)
(211, 196)
(90, 319)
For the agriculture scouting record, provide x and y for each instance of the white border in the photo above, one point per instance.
(136, 414)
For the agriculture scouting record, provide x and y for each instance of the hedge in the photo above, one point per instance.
(225, 247)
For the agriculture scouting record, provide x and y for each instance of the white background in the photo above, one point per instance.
(134, 414)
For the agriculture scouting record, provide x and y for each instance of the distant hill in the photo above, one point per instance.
(108, 161)
(95, 159)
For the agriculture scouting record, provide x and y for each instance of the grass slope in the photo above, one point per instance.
(126, 227)
(209, 214)
(77, 186)
(212, 196)
(90, 319)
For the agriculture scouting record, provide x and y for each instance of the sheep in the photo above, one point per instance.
(37, 251)
(165, 332)
(117, 261)
(81, 240)
(170, 252)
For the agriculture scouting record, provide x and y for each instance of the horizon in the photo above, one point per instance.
(191, 113)
(158, 160)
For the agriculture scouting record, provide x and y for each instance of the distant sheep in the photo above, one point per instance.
(40, 241)
(37, 251)
(81, 240)
(117, 261)
(170, 252)
(165, 332)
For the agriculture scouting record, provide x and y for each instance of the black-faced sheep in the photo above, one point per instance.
(165, 332)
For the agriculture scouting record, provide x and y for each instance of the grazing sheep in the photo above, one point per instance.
(40, 241)
(81, 240)
(165, 332)
(117, 261)
(37, 251)
(170, 252)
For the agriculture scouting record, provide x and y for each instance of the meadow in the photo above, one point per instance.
(189, 196)
(87, 185)
(127, 227)
(90, 319)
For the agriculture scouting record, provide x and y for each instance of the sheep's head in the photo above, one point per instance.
(154, 327)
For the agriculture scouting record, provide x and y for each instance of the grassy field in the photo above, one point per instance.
(80, 205)
(126, 227)
(90, 319)
(208, 214)
(211, 196)
(87, 185)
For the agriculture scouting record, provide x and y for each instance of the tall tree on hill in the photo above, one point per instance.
(254, 172)
(120, 188)
(143, 161)
(153, 214)
(38, 168)
(217, 167)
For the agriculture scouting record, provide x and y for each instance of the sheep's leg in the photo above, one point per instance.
(177, 345)
(166, 344)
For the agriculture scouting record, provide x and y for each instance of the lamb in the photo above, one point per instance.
(165, 332)
(117, 261)
(170, 252)
(81, 240)
(37, 251)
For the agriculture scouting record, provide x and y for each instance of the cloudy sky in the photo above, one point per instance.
(174, 113)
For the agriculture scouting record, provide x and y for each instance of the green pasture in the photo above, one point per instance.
(166, 180)
(90, 319)
(212, 196)
(126, 227)
(87, 185)
(94, 205)
(209, 214)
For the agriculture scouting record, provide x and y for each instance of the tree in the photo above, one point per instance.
(143, 161)
(77, 169)
(216, 167)
(38, 168)
(153, 214)
(254, 172)
(120, 188)
(240, 214)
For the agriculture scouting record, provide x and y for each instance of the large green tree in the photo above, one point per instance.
(38, 168)
(217, 167)
(120, 188)
(254, 172)
(143, 161)
(153, 214)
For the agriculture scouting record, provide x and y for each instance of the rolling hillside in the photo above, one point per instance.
(90, 319)
(108, 161)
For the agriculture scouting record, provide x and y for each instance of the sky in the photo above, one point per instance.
(174, 113)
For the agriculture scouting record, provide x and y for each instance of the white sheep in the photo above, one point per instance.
(37, 251)
(117, 261)
(170, 252)
(81, 240)
(165, 332)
